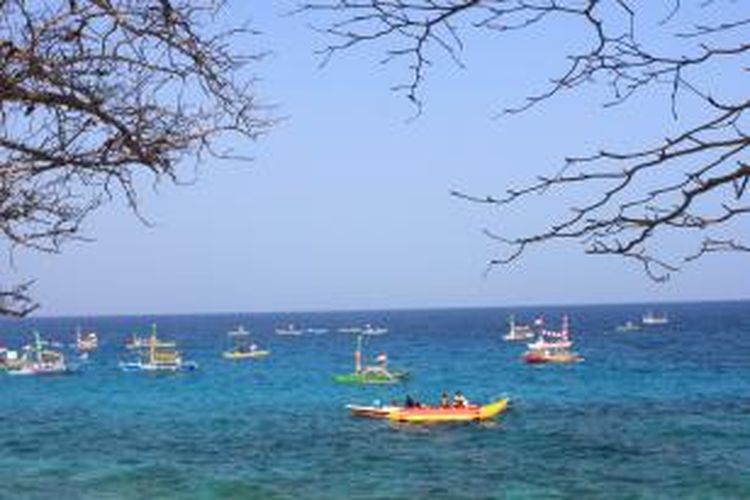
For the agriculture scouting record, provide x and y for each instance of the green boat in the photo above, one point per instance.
(374, 374)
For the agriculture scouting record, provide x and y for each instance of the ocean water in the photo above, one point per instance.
(659, 413)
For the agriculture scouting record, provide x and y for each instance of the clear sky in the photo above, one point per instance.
(347, 204)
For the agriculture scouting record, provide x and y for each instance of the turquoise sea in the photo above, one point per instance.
(659, 413)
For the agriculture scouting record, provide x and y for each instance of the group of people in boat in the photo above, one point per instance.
(458, 401)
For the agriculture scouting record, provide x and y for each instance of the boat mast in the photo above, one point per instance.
(358, 355)
(152, 344)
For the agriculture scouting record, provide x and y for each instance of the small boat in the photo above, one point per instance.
(290, 329)
(38, 358)
(87, 342)
(651, 319)
(159, 356)
(9, 359)
(373, 374)
(350, 329)
(628, 326)
(517, 331)
(242, 348)
(431, 414)
(552, 347)
(368, 329)
(316, 331)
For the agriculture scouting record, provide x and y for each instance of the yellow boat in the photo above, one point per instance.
(437, 414)
(250, 354)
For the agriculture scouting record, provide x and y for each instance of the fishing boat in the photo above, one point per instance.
(652, 319)
(242, 348)
(38, 358)
(86, 342)
(431, 414)
(158, 356)
(517, 331)
(372, 374)
(552, 347)
(628, 326)
(290, 330)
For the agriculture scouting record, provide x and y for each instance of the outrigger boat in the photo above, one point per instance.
(556, 350)
(518, 332)
(159, 356)
(373, 374)
(242, 349)
(86, 342)
(431, 414)
(38, 359)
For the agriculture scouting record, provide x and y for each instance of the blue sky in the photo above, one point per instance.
(347, 204)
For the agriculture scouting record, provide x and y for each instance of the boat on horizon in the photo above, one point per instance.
(290, 330)
(86, 342)
(651, 319)
(628, 326)
(518, 331)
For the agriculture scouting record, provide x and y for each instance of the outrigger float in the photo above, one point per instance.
(242, 348)
(372, 374)
(432, 414)
(159, 356)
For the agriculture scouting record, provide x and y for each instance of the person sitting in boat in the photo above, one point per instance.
(459, 401)
(410, 402)
(445, 401)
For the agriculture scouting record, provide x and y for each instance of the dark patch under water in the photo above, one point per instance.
(659, 413)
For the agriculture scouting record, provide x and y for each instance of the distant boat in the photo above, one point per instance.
(552, 347)
(242, 348)
(350, 329)
(290, 329)
(518, 332)
(368, 329)
(371, 374)
(316, 331)
(651, 319)
(628, 326)
(86, 342)
(159, 356)
(39, 359)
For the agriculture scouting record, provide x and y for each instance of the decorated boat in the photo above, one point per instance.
(552, 347)
(86, 342)
(518, 331)
(242, 347)
(38, 358)
(431, 414)
(372, 374)
(158, 356)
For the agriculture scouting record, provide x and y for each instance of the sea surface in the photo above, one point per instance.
(659, 413)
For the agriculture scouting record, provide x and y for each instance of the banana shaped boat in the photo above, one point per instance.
(429, 415)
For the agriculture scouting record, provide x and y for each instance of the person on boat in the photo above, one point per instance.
(459, 401)
(445, 401)
(411, 402)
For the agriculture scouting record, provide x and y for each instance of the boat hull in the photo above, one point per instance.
(239, 356)
(537, 358)
(371, 378)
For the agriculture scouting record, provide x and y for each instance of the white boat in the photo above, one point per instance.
(86, 342)
(350, 329)
(368, 329)
(316, 331)
(290, 330)
(651, 319)
(39, 359)
(628, 326)
(518, 332)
